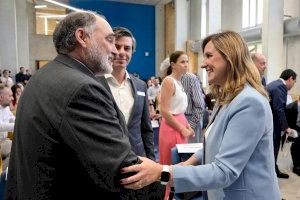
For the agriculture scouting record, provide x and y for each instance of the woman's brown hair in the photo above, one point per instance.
(240, 68)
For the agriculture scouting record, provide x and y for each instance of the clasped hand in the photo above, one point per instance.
(146, 173)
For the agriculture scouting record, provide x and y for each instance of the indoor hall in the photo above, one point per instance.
(161, 27)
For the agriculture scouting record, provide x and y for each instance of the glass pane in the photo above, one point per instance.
(47, 18)
(259, 47)
(252, 13)
(203, 19)
(252, 48)
(245, 13)
(260, 4)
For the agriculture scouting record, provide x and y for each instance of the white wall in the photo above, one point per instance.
(41, 47)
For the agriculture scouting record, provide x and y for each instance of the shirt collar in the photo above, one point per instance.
(283, 81)
(111, 78)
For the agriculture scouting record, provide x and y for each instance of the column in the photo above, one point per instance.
(14, 51)
(272, 38)
(214, 16)
(181, 25)
(8, 35)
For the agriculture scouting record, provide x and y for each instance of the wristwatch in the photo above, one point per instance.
(165, 175)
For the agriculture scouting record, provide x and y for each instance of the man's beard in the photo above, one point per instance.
(97, 60)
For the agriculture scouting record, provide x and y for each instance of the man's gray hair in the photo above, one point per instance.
(64, 34)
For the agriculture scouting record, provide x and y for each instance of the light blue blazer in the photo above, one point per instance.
(239, 158)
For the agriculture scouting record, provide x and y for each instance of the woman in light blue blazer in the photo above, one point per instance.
(237, 162)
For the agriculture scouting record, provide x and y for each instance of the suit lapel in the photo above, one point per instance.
(134, 94)
(72, 63)
(104, 82)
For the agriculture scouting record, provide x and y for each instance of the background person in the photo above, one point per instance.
(174, 127)
(7, 122)
(260, 62)
(196, 105)
(278, 95)
(293, 119)
(237, 161)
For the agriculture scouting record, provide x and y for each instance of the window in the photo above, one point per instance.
(252, 13)
(255, 47)
(47, 18)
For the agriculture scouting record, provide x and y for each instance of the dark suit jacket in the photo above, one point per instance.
(278, 93)
(139, 123)
(292, 114)
(70, 139)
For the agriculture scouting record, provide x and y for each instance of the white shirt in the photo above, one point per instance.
(178, 103)
(122, 94)
(7, 81)
(153, 92)
(7, 122)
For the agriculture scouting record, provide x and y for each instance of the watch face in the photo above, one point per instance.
(165, 176)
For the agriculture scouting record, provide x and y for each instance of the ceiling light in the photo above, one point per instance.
(40, 6)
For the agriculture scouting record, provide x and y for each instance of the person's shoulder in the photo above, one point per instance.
(251, 95)
(274, 83)
(137, 81)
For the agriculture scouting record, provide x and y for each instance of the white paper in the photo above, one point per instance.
(154, 123)
(189, 148)
(141, 93)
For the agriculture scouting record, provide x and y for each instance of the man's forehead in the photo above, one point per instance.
(124, 38)
(104, 26)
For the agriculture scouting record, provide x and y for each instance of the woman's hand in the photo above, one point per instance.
(146, 173)
(188, 131)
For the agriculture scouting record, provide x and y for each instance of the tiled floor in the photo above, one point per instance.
(290, 188)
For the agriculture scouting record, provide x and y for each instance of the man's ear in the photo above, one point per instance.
(81, 37)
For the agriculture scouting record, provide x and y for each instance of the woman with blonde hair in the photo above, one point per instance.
(237, 161)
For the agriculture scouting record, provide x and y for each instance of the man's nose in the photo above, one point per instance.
(114, 50)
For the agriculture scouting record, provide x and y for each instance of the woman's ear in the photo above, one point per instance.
(81, 37)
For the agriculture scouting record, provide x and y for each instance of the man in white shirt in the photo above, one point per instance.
(130, 94)
(6, 80)
(154, 90)
(7, 122)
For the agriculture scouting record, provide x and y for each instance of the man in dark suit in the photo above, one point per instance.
(130, 94)
(293, 119)
(278, 93)
(70, 140)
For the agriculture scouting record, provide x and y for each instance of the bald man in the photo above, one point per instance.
(260, 62)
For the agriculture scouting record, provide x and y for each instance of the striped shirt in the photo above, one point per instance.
(196, 104)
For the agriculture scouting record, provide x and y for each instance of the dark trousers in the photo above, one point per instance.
(276, 143)
(295, 152)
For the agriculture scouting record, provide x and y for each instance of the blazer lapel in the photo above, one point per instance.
(212, 119)
(134, 94)
(213, 115)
